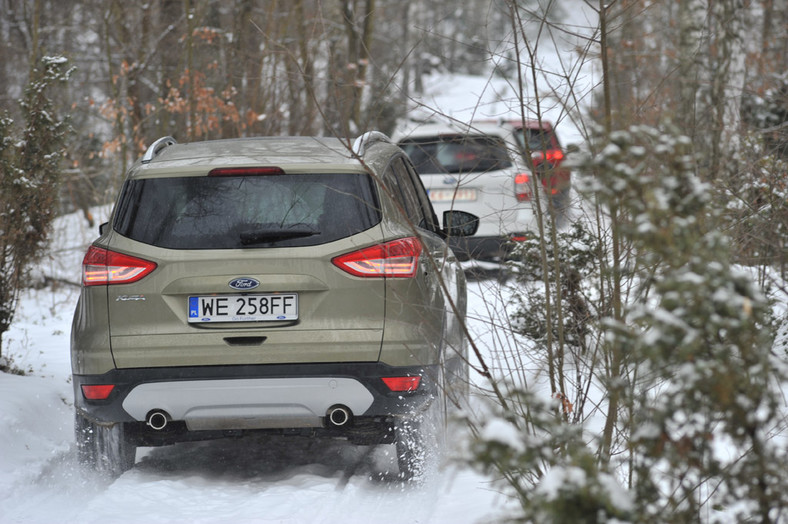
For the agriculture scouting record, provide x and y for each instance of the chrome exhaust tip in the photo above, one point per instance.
(157, 419)
(338, 416)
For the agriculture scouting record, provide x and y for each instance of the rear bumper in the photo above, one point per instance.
(205, 402)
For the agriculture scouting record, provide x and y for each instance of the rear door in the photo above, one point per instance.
(422, 321)
(244, 272)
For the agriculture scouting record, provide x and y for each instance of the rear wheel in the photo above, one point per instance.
(562, 201)
(104, 448)
(411, 449)
(419, 440)
(84, 436)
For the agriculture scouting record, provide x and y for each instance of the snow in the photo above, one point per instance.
(504, 432)
(558, 479)
(465, 98)
(258, 480)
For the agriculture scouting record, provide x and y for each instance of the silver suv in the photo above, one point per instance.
(478, 167)
(299, 286)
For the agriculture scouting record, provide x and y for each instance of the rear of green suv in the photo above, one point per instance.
(287, 285)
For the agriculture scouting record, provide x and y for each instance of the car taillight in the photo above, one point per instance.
(402, 383)
(398, 258)
(522, 187)
(554, 156)
(97, 391)
(102, 267)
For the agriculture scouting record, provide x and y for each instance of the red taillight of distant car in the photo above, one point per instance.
(103, 267)
(554, 156)
(398, 258)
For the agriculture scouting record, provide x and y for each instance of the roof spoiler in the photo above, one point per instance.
(361, 144)
(156, 148)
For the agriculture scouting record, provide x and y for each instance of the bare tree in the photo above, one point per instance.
(29, 181)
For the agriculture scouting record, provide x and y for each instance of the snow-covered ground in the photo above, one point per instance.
(243, 481)
(240, 481)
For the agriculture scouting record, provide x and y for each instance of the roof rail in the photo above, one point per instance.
(156, 147)
(361, 144)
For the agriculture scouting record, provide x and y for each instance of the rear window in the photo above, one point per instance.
(229, 212)
(457, 154)
(538, 139)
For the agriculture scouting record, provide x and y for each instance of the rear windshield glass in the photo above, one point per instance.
(457, 154)
(246, 211)
(538, 139)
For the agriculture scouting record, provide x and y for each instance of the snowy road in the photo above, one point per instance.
(257, 480)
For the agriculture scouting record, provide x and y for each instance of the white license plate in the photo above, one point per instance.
(456, 195)
(244, 308)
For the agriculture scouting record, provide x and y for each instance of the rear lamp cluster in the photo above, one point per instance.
(102, 267)
(554, 156)
(398, 258)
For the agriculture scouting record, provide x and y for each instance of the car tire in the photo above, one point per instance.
(104, 448)
(419, 440)
(84, 436)
(562, 201)
(411, 449)
(458, 384)
(463, 388)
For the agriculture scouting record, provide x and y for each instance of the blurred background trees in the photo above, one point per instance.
(204, 69)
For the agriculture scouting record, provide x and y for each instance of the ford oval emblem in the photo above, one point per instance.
(243, 283)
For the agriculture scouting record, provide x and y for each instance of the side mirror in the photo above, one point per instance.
(459, 223)
(103, 228)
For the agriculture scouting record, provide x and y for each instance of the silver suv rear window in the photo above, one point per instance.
(237, 212)
(457, 154)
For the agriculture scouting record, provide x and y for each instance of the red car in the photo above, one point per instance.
(539, 139)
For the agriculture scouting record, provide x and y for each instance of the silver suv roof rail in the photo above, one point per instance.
(361, 144)
(156, 147)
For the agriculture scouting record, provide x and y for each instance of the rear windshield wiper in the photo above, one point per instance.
(274, 235)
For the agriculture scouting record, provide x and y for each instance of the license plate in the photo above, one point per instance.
(456, 195)
(244, 308)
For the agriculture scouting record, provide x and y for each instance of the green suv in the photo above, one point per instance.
(297, 286)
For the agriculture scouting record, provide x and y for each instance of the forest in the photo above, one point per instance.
(646, 345)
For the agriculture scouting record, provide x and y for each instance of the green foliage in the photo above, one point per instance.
(30, 176)
(689, 359)
(572, 263)
(706, 395)
(544, 460)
